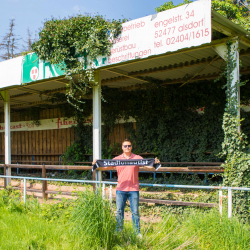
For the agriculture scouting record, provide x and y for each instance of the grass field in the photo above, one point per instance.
(89, 223)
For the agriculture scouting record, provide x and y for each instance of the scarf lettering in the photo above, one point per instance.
(113, 163)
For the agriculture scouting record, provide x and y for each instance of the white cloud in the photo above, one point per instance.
(76, 8)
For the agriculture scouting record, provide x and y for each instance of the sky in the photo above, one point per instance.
(33, 13)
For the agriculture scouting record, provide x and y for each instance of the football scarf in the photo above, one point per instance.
(122, 162)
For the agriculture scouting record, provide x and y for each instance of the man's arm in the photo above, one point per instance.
(157, 161)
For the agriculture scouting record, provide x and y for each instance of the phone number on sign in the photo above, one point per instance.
(188, 36)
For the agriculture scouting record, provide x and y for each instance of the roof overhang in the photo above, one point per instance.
(179, 67)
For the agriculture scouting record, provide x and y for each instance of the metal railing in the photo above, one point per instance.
(103, 183)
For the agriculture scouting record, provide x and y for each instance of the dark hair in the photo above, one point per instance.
(126, 140)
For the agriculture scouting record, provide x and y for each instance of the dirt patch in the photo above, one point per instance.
(55, 198)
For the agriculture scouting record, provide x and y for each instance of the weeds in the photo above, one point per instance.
(89, 223)
(94, 220)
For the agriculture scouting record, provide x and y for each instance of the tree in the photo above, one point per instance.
(28, 43)
(235, 10)
(9, 43)
(170, 5)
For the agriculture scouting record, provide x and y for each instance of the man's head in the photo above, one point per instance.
(126, 146)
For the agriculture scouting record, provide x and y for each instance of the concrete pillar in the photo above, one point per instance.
(97, 144)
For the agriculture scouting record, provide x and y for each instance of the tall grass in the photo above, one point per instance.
(167, 234)
(89, 223)
(216, 232)
(93, 221)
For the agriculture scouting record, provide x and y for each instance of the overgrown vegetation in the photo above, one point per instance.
(74, 43)
(235, 144)
(73, 225)
(167, 121)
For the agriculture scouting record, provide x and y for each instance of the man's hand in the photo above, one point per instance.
(157, 160)
(94, 162)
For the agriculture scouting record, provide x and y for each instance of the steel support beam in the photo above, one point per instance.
(222, 50)
(97, 144)
(236, 76)
(7, 139)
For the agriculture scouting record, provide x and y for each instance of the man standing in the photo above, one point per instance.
(128, 187)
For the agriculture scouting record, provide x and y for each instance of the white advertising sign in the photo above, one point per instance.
(55, 123)
(182, 27)
(45, 124)
(170, 30)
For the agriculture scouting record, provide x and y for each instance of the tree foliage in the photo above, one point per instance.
(170, 5)
(74, 43)
(236, 11)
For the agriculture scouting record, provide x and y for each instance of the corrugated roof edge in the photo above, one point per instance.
(228, 23)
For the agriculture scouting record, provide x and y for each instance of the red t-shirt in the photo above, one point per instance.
(128, 175)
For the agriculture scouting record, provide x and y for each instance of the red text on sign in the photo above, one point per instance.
(164, 32)
(132, 26)
(166, 22)
(189, 14)
(188, 36)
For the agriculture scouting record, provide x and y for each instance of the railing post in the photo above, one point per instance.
(21, 190)
(24, 191)
(94, 178)
(110, 194)
(5, 173)
(230, 202)
(45, 183)
(220, 202)
(103, 191)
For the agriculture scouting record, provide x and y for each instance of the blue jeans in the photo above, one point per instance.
(121, 198)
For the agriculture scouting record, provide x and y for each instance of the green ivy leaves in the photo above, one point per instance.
(235, 144)
(65, 41)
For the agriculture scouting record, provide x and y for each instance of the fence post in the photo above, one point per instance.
(5, 180)
(94, 178)
(230, 202)
(24, 191)
(45, 183)
(103, 191)
(110, 194)
(220, 202)
(21, 190)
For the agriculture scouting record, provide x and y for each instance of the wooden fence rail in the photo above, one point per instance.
(214, 168)
(142, 200)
